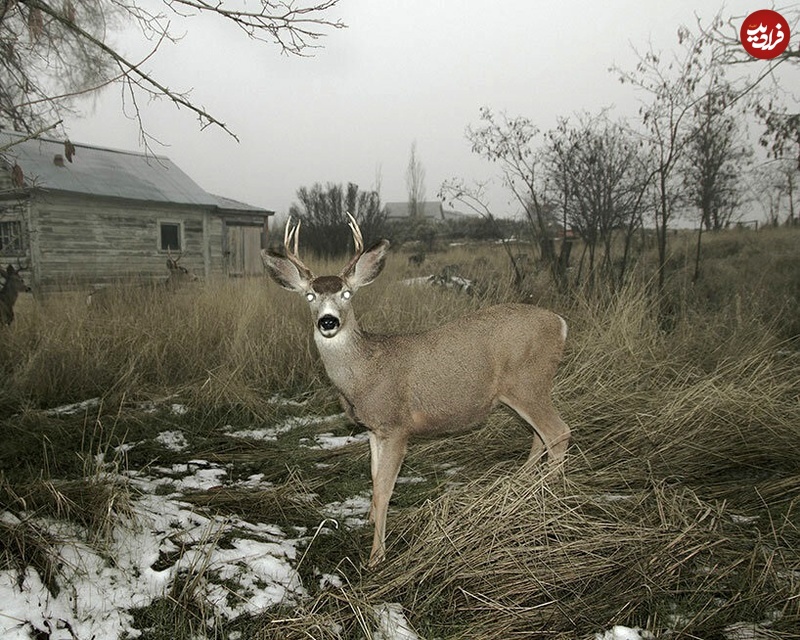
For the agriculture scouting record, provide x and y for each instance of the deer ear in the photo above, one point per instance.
(284, 272)
(369, 265)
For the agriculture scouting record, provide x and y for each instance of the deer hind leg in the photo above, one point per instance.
(387, 457)
(551, 433)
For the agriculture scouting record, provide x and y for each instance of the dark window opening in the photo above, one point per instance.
(11, 237)
(170, 236)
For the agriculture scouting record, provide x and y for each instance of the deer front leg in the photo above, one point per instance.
(374, 455)
(386, 455)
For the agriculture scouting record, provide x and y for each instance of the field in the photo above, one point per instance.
(177, 467)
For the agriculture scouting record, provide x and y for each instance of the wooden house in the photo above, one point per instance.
(430, 210)
(80, 215)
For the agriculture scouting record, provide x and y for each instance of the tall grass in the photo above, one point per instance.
(229, 342)
(679, 428)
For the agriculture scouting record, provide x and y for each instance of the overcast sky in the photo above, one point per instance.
(403, 71)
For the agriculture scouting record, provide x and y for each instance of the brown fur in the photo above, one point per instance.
(446, 379)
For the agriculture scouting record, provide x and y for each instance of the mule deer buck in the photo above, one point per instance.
(178, 275)
(448, 378)
(13, 286)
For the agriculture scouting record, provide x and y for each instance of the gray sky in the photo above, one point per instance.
(403, 71)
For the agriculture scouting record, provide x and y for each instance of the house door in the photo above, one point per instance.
(243, 248)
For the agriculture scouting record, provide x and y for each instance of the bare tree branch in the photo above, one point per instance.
(54, 51)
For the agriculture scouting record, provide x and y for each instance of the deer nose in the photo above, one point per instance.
(328, 324)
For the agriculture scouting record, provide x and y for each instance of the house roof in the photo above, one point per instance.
(431, 210)
(98, 171)
(229, 204)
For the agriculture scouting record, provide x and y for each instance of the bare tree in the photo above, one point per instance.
(322, 211)
(784, 180)
(713, 166)
(774, 186)
(52, 51)
(676, 83)
(508, 142)
(716, 159)
(415, 183)
(597, 168)
(788, 187)
(767, 96)
(474, 198)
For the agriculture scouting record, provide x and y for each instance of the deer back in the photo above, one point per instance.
(450, 377)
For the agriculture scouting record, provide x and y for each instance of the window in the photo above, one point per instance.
(11, 237)
(170, 233)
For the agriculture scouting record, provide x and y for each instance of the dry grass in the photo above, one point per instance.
(26, 546)
(677, 509)
(565, 559)
(223, 342)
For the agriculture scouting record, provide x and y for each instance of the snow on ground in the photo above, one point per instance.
(330, 441)
(392, 623)
(624, 633)
(279, 401)
(172, 440)
(246, 566)
(272, 433)
(352, 512)
(71, 409)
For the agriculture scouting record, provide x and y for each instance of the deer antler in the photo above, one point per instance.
(291, 239)
(358, 241)
(171, 259)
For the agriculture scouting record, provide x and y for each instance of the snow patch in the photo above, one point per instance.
(72, 409)
(330, 441)
(619, 632)
(172, 440)
(352, 512)
(392, 623)
(271, 433)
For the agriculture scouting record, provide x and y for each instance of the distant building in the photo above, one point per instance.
(432, 211)
(79, 215)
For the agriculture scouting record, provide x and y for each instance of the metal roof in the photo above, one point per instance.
(106, 172)
(229, 204)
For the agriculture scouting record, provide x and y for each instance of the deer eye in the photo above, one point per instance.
(346, 294)
(310, 297)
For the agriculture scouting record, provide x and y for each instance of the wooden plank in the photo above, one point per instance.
(92, 240)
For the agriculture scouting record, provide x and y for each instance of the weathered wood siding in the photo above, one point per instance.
(243, 246)
(76, 241)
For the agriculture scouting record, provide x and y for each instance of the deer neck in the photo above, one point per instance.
(345, 356)
(8, 295)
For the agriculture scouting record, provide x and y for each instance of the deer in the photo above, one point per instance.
(13, 286)
(178, 275)
(443, 380)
